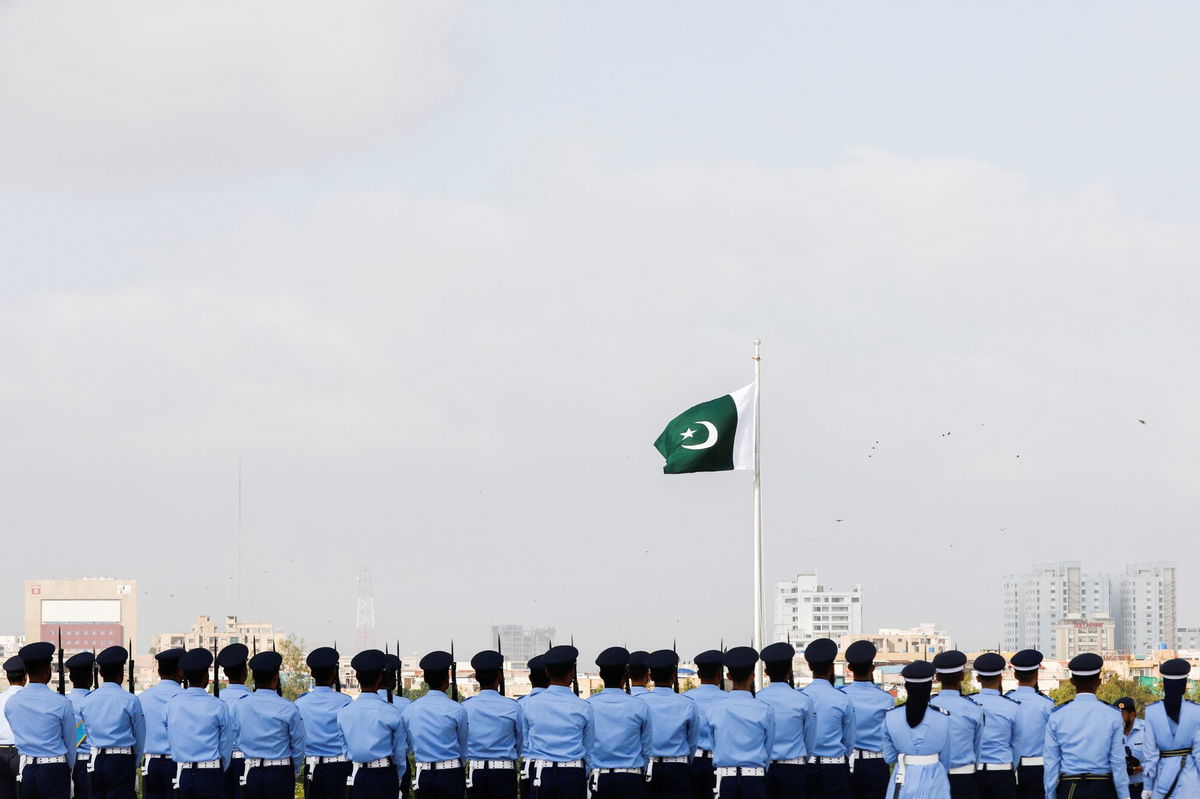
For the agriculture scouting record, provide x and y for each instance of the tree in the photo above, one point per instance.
(1111, 689)
(293, 673)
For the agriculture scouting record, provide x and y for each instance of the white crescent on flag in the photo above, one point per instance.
(710, 441)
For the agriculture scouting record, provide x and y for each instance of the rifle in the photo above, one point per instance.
(385, 668)
(500, 651)
(721, 684)
(62, 672)
(575, 676)
(399, 670)
(337, 673)
(674, 648)
(216, 674)
(279, 680)
(453, 673)
(131, 666)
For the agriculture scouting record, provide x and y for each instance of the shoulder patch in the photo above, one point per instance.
(1010, 691)
(1010, 699)
(1064, 704)
(971, 698)
(940, 710)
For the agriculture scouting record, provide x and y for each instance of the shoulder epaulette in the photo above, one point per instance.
(1010, 699)
(902, 704)
(971, 698)
(1010, 691)
(1064, 704)
(943, 711)
(1190, 702)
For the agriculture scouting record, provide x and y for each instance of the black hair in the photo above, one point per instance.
(437, 679)
(168, 669)
(82, 674)
(820, 666)
(114, 672)
(1090, 683)
(862, 671)
(264, 677)
(711, 672)
(196, 676)
(15, 676)
(638, 672)
(487, 677)
(538, 678)
(663, 676)
(324, 676)
(237, 672)
(613, 676)
(777, 670)
(740, 673)
(917, 702)
(368, 677)
(559, 671)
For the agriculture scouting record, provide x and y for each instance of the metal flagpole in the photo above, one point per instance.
(758, 534)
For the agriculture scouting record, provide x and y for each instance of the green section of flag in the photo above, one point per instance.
(701, 438)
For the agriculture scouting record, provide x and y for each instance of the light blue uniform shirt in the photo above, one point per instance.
(1163, 734)
(705, 696)
(267, 726)
(319, 710)
(1135, 741)
(1034, 711)
(1085, 736)
(743, 731)
(113, 717)
(437, 728)
(77, 695)
(966, 727)
(532, 692)
(398, 700)
(674, 723)
(233, 693)
(494, 726)
(930, 737)
(373, 729)
(795, 724)
(1000, 741)
(623, 730)
(42, 721)
(638, 690)
(198, 728)
(154, 707)
(558, 726)
(871, 704)
(835, 720)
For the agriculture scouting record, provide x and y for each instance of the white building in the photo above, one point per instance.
(1147, 618)
(1187, 639)
(10, 645)
(519, 644)
(805, 609)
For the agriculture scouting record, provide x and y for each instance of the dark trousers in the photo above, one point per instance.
(270, 782)
(114, 777)
(1030, 784)
(47, 781)
(997, 784)
(704, 779)
(621, 786)
(158, 783)
(561, 783)
(869, 780)
(79, 777)
(828, 781)
(9, 760)
(233, 777)
(1086, 789)
(327, 781)
(493, 783)
(201, 783)
(743, 788)
(964, 786)
(786, 781)
(444, 784)
(670, 781)
(1135, 790)
(376, 783)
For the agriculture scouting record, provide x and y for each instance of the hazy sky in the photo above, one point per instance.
(439, 272)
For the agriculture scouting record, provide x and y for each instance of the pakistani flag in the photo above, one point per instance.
(714, 436)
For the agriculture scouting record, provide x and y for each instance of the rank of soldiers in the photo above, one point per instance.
(625, 742)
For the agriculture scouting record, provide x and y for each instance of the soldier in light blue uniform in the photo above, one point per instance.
(79, 672)
(232, 660)
(1172, 737)
(43, 724)
(624, 736)
(829, 765)
(709, 668)
(116, 726)
(391, 689)
(559, 732)
(1034, 711)
(1000, 742)
(538, 682)
(1085, 751)
(494, 733)
(199, 732)
(374, 732)
(270, 733)
(917, 738)
(438, 731)
(158, 770)
(868, 770)
(1135, 746)
(743, 730)
(14, 671)
(639, 672)
(675, 726)
(966, 724)
(795, 724)
(327, 766)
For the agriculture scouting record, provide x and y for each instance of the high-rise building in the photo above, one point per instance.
(1140, 604)
(805, 609)
(1074, 635)
(91, 613)
(519, 643)
(1187, 639)
(1147, 618)
(259, 636)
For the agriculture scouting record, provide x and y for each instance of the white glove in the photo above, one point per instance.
(1147, 794)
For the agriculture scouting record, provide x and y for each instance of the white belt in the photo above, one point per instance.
(828, 760)
(903, 761)
(962, 769)
(680, 759)
(236, 755)
(259, 762)
(1033, 761)
(25, 760)
(151, 756)
(703, 753)
(116, 750)
(181, 767)
(538, 765)
(440, 765)
(312, 761)
(867, 754)
(83, 757)
(382, 762)
(995, 767)
(735, 771)
(594, 777)
(795, 761)
(486, 765)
